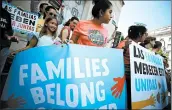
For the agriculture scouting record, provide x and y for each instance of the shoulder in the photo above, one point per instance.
(5, 12)
(66, 27)
(122, 44)
(84, 22)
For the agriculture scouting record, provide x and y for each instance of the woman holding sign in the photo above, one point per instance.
(50, 11)
(135, 34)
(48, 32)
(92, 32)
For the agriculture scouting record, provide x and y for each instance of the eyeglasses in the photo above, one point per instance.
(52, 14)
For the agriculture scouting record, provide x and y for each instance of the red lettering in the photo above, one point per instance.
(32, 28)
(13, 23)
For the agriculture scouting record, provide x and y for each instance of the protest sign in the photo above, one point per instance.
(148, 82)
(23, 22)
(72, 76)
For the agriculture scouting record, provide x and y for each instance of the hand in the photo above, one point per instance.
(164, 95)
(13, 38)
(71, 42)
(15, 102)
(118, 87)
(57, 43)
(12, 54)
(152, 100)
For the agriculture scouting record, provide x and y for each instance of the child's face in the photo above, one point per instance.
(52, 25)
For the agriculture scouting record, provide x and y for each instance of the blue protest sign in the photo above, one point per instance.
(72, 76)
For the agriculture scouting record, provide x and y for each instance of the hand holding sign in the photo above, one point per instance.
(152, 100)
(15, 102)
(118, 87)
(13, 38)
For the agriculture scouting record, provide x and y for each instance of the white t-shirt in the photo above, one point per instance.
(45, 40)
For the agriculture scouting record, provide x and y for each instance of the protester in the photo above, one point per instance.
(6, 36)
(5, 42)
(92, 32)
(157, 48)
(135, 34)
(68, 27)
(48, 32)
(50, 11)
(42, 10)
(149, 42)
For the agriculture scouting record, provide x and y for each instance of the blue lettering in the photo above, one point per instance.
(145, 84)
(137, 84)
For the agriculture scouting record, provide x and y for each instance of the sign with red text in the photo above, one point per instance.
(22, 21)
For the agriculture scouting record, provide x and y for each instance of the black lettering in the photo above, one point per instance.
(25, 21)
(144, 68)
(18, 13)
(31, 22)
(10, 9)
(138, 68)
(12, 16)
(149, 70)
(18, 18)
(135, 53)
(156, 71)
(142, 55)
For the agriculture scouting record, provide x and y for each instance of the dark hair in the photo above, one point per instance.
(158, 44)
(148, 40)
(100, 5)
(135, 32)
(44, 28)
(41, 6)
(47, 9)
(68, 22)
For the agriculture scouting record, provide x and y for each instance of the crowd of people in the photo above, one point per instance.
(82, 32)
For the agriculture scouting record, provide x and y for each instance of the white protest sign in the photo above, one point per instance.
(148, 82)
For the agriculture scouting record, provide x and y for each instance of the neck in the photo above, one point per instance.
(155, 50)
(49, 33)
(97, 21)
(135, 40)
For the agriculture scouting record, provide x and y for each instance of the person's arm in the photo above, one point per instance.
(33, 43)
(144, 103)
(64, 34)
(74, 39)
(76, 34)
(9, 27)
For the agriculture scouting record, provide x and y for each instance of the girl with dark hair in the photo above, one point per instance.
(135, 34)
(42, 10)
(68, 27)
(92, 32)
(48, 32)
